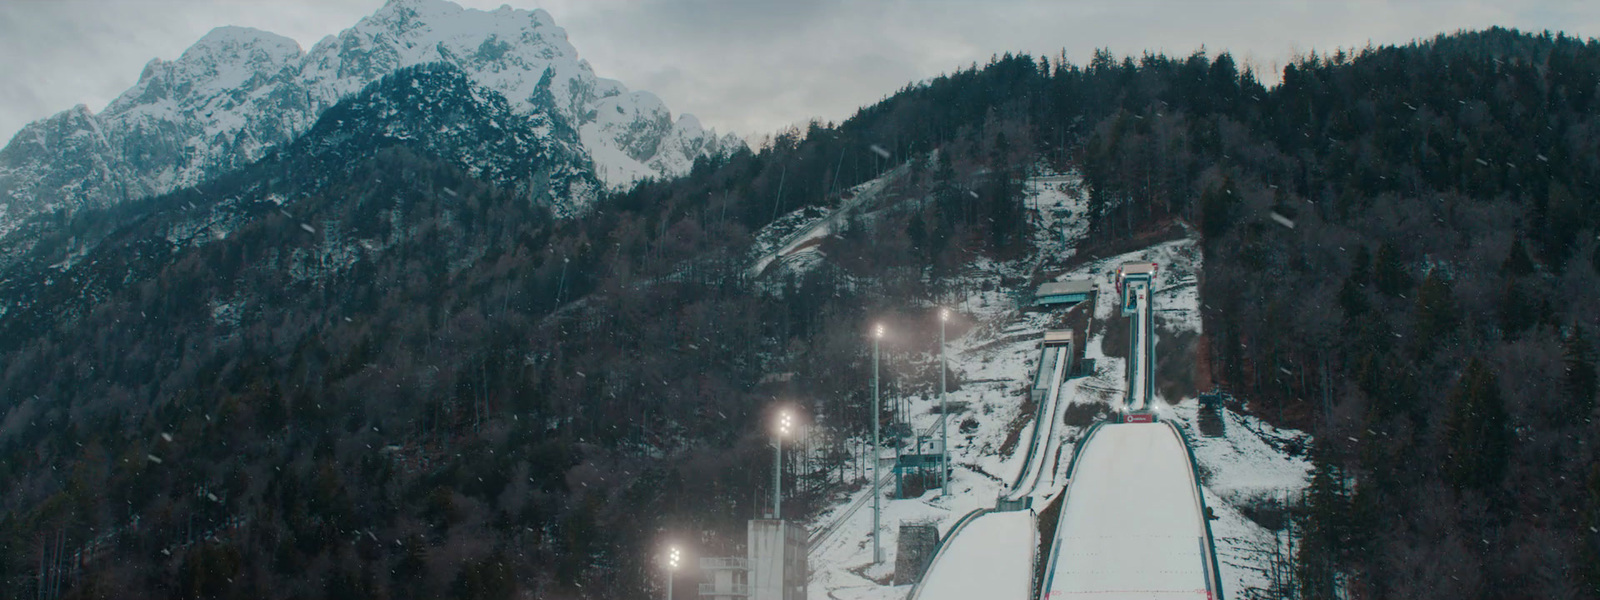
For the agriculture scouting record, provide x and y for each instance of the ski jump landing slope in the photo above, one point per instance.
(991, 558)
(1133, 523)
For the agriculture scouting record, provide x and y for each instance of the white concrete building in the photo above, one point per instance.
(777, 564)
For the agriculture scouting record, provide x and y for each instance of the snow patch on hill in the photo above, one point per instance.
(1254, 465)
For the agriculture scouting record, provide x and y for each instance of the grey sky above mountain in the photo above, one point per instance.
(750, 66)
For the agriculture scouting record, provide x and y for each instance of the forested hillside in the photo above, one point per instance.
(1400, 255)
(1401, 249)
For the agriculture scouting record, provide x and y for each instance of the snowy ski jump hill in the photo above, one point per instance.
(1133, 521)
(1138, 483)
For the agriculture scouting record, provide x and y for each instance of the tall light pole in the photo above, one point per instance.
(877, 498)
(672, 566)
(562, 287)
(784, 423)
(944, 407)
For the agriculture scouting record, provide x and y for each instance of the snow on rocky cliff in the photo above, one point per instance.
(238, 93)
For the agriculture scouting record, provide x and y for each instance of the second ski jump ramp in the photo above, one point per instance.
(991, 558)
(990, 554)
(1043, 443)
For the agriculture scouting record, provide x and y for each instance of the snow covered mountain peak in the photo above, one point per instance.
(241, 44)
(506, 50)
(511, 51)
(224, 60)
(238, 93)
(689, 123)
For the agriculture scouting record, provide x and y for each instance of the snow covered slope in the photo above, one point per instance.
(991, 558)
(1131, 526)
(1253, 465)
(239, 92)
(996, 358)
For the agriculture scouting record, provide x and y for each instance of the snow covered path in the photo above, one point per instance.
(992, 558)
(1132, 525)
(825, 226)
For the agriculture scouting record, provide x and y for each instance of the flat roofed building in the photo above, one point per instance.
(777, 560)
(1137, 271)
(1072, 291)
(729, 578)
(1134, 268)
(1056, 345)
(1058, 337)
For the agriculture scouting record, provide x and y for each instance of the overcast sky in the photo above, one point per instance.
(750, 66)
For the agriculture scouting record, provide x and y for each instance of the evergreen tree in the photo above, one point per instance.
(1007, 220)
(1477, 432)
(274, 411)
(209, 569)
(1517, 261)
(1352, 300)
(1589, 546)
(1564, 218)
(946, 194)
(1216, 210)
(1361, 267)
(1518, 312)
(1364, 515)
(917, 233)
(487, 579)
(1578, 356)
(1388, 272)
(1437, 314)
(1327, 510)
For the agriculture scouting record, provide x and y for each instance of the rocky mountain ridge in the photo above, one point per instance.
(238, 93)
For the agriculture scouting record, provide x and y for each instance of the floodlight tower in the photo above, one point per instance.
(877, 497)
(785, 422)
(672, 566)
(944, 408)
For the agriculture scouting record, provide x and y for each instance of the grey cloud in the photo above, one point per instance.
(751, 66)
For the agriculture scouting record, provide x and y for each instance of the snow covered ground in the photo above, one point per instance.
(1247, 466)
(1058, 207)
(989, 559)
(996, 359)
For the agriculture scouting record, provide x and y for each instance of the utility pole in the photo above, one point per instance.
(944, 408)
(562, 287)
(877, 497)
